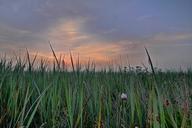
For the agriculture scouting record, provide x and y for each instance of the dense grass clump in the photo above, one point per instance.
(87, 98)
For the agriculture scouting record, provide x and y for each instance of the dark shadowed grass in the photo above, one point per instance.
(44, 98)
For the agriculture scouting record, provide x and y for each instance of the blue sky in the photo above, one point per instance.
(101, 30)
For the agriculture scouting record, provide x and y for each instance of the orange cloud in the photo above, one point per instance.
(69, 32)
(98, 51)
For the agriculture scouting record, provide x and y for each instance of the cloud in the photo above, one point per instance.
(18, 38)
(172, 37)
(70, 35)
(9, 33)
(67, 30)
(67, 34)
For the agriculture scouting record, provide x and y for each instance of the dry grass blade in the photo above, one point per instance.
(60, 58)
(34, 59)
(72, 63)
(58, 65)
(150, 61)
(28, 59)
(63, 62)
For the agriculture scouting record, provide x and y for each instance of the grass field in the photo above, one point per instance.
(88, 98)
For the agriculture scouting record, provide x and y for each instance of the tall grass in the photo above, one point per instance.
(86, 98)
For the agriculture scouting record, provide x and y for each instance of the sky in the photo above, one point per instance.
(104, 31)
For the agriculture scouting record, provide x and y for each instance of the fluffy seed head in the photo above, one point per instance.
(124, 96)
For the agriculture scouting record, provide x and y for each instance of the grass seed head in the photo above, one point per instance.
(123, 96)
(136, 126)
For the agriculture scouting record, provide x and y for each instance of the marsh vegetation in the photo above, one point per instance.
(88, 98)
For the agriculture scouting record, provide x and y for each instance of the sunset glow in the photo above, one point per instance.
(100, 30)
